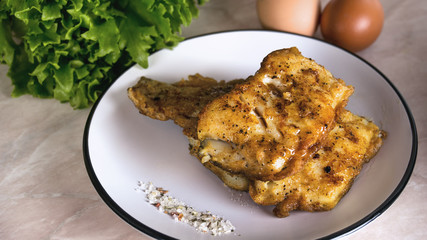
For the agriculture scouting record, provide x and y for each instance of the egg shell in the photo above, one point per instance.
(301, 16)
(352, 24)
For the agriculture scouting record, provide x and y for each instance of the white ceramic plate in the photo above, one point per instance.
(122, 147)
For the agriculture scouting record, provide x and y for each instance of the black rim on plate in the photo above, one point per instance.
(347, 230)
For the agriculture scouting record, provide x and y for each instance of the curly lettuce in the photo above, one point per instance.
(72, 50)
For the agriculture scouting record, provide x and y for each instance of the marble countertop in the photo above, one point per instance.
(45, 192)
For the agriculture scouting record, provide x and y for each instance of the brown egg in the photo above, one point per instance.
(352, 24)
(297, 16)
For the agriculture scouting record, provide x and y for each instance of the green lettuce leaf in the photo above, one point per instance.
(73, 50)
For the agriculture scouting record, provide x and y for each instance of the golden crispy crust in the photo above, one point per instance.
(300, 113)
(275, 120)
(329, 174)
(181, 101)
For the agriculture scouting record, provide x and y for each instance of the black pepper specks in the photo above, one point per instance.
(327, 169)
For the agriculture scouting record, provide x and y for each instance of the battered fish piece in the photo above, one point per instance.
(181, 101)
(321, 184)
(267, 127)
(329, 174)
(301, 106)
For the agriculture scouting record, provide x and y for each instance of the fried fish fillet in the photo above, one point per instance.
(267, 127)
(323, 180)
(181, 101)
(329, 174)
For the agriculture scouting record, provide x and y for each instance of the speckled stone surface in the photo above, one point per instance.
(45, 192)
